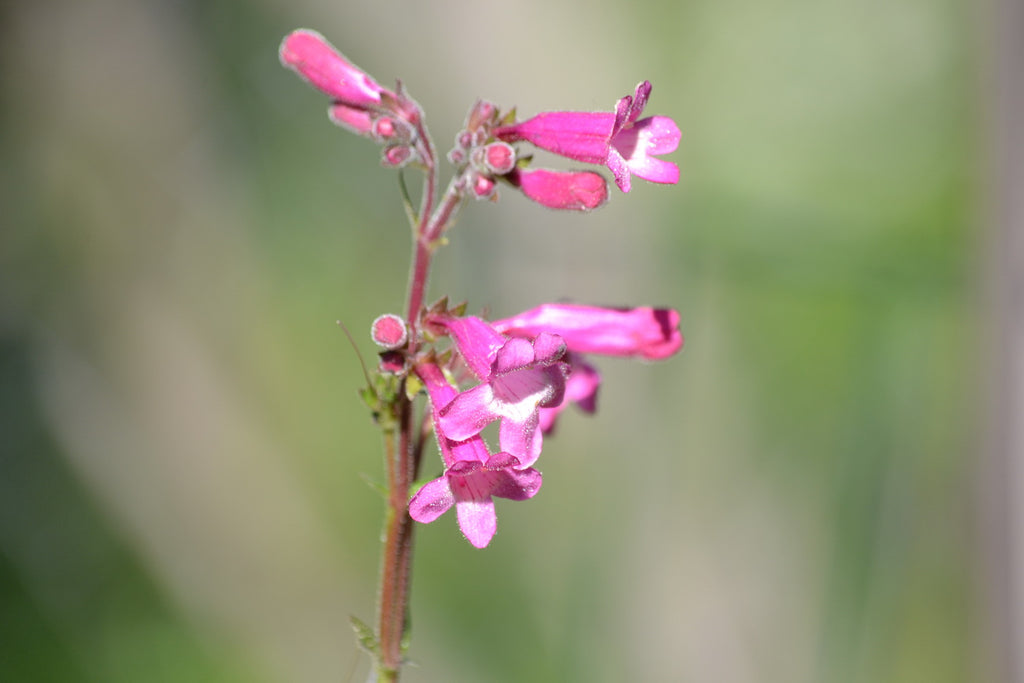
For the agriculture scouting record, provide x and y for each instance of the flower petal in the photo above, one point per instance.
(654, 170)
(477, 520)
(441, 394)
(514, 355)
(468, 413)
(660, 134)
(640, 97)
(619, 168)
(478, 342)
(431, 501)
(515, 484)
(523, 439)
(548, 348)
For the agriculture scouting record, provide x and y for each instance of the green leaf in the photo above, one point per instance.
(410, 211)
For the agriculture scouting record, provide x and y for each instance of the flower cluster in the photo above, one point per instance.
(358, 103)
(528, 368)
(484, 151)
(522, 371)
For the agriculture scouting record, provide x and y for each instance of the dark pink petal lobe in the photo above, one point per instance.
(431, 501)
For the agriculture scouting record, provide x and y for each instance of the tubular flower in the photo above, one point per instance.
(572, 190)
(310, 55)
(519, 376)
(618, 140)
(358, 103)
(649, 333)
(472, 476)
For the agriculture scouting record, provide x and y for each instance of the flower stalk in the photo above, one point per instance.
(521, 371)
(396, 560)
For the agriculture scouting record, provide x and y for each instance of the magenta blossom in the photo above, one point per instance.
(518, 376)
(310, 55)
(572, 190)
(617, 140)
(472, 475)
(649, 333)
(358, 103)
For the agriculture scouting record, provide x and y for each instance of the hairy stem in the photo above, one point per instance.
(403, 438)
(396, 563)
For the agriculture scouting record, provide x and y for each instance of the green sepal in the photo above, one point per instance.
(415, 487)
(413, 386)
(386, 387)
(375, 485)
(365, 636)
(410, 211)
(509, 118)
(438, 307)
(370, 398)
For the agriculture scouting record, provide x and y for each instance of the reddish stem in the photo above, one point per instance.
(396, 563)
(402, 459)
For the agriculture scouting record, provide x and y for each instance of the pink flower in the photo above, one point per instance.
(312, 57)
(617, 140)
(571, 190)
(650, 333)
(472, 475)
(518, 376)
(358, 121)
(358, 103)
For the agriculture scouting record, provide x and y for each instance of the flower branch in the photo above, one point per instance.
(520, 371)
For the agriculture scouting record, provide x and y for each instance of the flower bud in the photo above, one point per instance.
(397, 156)
(567, 190)
(317, 61)
(457, 156)
(358, 121)
(499, 157)
(483, 187)
(384, 128)
(392, 362)
(389, 331)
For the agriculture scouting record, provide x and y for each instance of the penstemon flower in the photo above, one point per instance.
(472, 475)
(520, 371)
(650, 333)
(617, 140)
(519, 377)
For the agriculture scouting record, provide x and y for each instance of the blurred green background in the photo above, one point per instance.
(184, 455)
